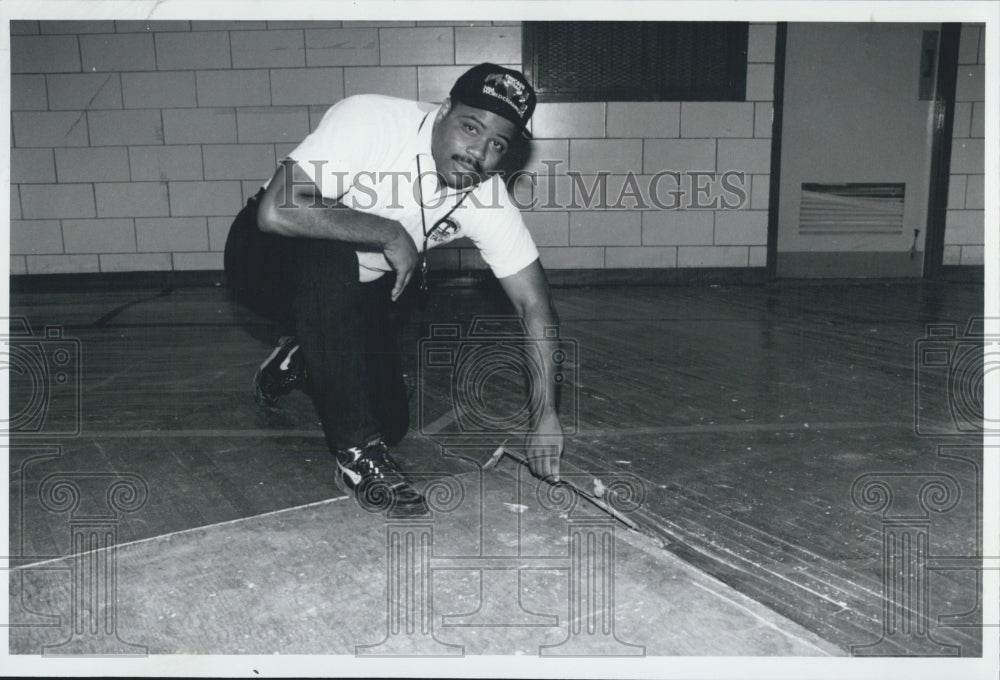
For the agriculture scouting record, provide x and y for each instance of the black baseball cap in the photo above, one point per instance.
(501, 90)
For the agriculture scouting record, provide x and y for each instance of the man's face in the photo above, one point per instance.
(468, 143)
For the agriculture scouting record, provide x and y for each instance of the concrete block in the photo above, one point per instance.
(99, 236)
(169, 234)
(131, 199)
(15, 202)
(394, 81)
(84, 91)
(192, 51)
(62, 264)
(95, 164)
(713, 256)
(75, 27)
(745, 155)
(761, 41)
(139, 126)
(118, 52)
(971, 85)
(435, 82)
(967, 156)
(760, 192)
(956, 191)
(758, 256)
(568, 120)
(760, 82)
(151, 26)
(165, 163)
(135, 262)
(572, 258)
(763, 119)
(952, 255)
(32, 166)
(273, 124)
(978, 126)
(605, 228)
(27, 93)
(233, 88)
(717, 119)
(35, 237)
(677, 227)
(268, 49)
(49, 128)
(740, 228)
(416, 46)
(968, 43)
(316, 114)
(250, 187)
(198, 261)
(547, 156)
(615, 156)
(681, 155)
(23, 27)
(205, 199)
(307, 86)
(646, 257)
(548, 228)
(963, 227)
(44, 54)
(55, 201)
(342, 47)
(168, 89)
(973, 255)
(238, 161)
(218, 232)
(18, 265)
(555, 193)
(975, 198)
(222, 25)
(197, 126)
(644, 119)
(497, 44)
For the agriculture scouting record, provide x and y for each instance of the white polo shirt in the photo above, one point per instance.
(365, 153)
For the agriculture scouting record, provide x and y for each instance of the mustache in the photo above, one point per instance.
(469, 161)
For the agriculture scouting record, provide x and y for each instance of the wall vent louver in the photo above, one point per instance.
(854, 208)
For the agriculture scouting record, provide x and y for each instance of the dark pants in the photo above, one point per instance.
(347, 330)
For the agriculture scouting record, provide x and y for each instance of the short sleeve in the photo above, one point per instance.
(348, 140)
(499, 231)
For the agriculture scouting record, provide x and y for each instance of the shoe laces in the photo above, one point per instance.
(375, 459)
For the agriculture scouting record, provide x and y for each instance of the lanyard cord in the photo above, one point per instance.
(423, 224)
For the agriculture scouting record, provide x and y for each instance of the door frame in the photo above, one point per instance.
(941, 134)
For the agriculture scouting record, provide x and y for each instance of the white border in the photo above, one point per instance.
(515, 666)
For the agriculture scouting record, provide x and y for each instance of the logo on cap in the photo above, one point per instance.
(509, 89)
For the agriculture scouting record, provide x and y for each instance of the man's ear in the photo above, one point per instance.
(443, 111)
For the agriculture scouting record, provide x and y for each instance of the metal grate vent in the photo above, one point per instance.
(636, 61)
(851, 208)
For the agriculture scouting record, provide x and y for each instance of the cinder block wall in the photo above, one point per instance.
(135, 143)
(964, 233)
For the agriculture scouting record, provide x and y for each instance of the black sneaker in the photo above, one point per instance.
(372, 478)
(280, 373)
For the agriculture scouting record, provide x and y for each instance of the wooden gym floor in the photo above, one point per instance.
(754, 418)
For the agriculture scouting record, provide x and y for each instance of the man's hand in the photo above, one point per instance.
(544, 447)
(401, 252)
